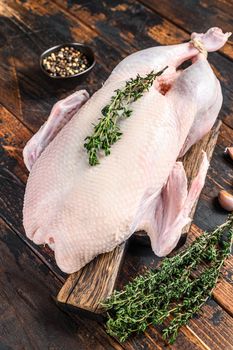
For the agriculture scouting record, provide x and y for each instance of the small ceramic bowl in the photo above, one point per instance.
(86, 50)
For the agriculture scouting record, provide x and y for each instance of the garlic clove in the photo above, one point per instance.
(225, 200)
(229, 151)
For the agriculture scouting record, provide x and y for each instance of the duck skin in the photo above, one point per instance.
(82, 210)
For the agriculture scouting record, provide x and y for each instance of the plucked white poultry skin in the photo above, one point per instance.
(83, 210)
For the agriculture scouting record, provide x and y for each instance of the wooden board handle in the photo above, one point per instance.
(88, 287)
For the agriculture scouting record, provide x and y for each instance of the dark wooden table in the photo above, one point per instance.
(29, 279)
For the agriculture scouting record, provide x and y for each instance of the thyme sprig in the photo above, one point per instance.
(174, 292)
(107, 131)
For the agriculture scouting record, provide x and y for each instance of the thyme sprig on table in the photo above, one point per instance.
(174, 292)
(107, 131)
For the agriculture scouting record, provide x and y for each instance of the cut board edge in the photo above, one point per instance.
(88, 287)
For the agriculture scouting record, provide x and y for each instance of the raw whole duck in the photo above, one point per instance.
(82, 210)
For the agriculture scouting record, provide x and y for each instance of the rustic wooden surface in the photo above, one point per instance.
(29, 277)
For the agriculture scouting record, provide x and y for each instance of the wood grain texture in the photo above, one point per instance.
(197, 15)
(95, 282)
(13, 136)
(214, 327)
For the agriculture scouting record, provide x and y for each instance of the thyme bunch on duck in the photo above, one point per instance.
(174, 292)
(107, 131)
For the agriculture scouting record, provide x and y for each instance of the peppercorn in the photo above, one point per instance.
(67, 61)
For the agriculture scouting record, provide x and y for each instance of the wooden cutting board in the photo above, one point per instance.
(85, 289)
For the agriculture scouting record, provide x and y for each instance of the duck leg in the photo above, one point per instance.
(173, 208)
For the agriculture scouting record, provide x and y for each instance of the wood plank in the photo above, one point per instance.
(193, 15)
(88, 287)
(224, 289)
(29, 318)
(131, 26)
(13, 136)
(152, 340)
(214, 327)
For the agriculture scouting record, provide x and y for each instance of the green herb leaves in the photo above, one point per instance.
(174, 292)
(107, 131)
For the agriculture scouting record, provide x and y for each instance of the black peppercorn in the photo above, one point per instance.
(65, 62)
